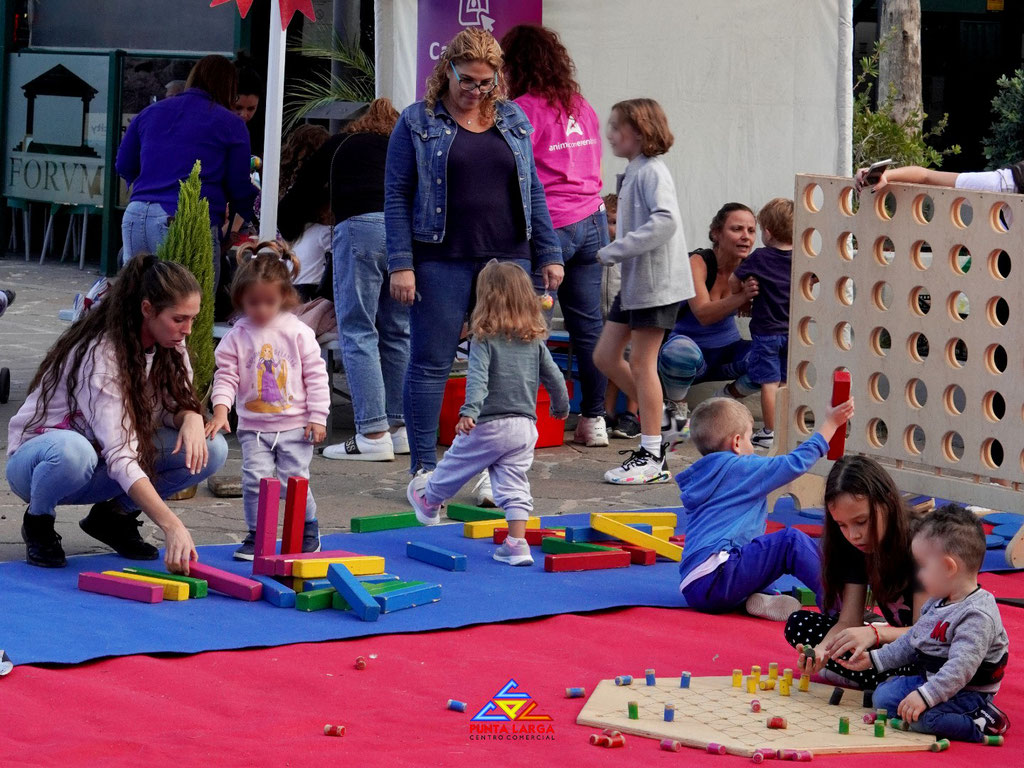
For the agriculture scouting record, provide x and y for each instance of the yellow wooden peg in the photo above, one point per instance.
(668, 519)
(173, 590)
(484, 529)
(662, 532)
(633, 536)
(363, 565)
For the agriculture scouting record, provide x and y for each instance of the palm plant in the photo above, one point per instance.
(357, 83)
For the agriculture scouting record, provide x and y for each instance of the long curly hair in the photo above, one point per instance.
(471, 44)
(506, 304)
(116, 322)
(537, 62)
(301, 144)
(890, 565)
(380, 118)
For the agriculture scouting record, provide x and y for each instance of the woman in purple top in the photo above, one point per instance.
(705, 344)
(567, 146)
(164, 141)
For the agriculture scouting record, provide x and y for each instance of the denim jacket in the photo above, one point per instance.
(416, 193)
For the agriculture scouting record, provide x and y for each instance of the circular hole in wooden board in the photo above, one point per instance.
(995, 359)
(920, 300)
(806, 375)
(952, 447)
(877, 433)
(885, 206)
(878, 387)
(809, 286)
(1000, 216)
(956, 353)
(885, 251)
(954, 399)
(814, 198)
(881, 295)
(924, 209)
(992, 453)
(913, 440)
(958, 306)
(842, 335)
(849, 201)
(916, 393)
(917, 347)
(846, 291)
(804, 420)
(811, 242)
(961, 213)
(993, 405)
(999, 264)
(998, 311)
(846, 244)
(881, 341)
(807, 331)
(960, 259)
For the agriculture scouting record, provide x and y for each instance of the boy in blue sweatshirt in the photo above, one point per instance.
(728, 559)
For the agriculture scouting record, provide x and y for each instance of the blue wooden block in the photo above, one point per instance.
(442, 558)
(408, 597)
(1006, 530)
(584, 533)
(1003, 518)
(353, 591)
(379, 578)
(992, 541)
(276, 593)
(309, 585)
(812, 514)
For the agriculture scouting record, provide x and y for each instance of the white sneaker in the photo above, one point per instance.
(763, 438)
(482, 491)
(400, 441)
(514, 554)
(591, 432)
(641, 468)
(426, 513)
(358, 448)
(772, 607)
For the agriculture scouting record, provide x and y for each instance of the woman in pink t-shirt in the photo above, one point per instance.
(567, 147)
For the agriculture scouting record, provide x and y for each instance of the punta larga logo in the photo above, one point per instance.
(511, 715)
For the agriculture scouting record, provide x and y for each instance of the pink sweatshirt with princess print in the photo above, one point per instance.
(100, 416)
(276, 374)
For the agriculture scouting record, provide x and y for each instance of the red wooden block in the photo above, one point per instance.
(812, 530)
(588, 561)
(679, 540)
(637, 555)
(773, 525)
(266, 518)
(230, 584)
(115, 587)
(533, 535)
(840, 394)
(294, 514)
(281, 565)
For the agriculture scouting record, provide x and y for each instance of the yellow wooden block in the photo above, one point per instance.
(662, 532)
(364, 565)
(633, 536)
(484, 529)
(650, 518)
(173, 590)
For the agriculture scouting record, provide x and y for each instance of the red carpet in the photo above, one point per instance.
(268, 707)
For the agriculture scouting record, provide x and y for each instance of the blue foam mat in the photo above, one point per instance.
(45, 618)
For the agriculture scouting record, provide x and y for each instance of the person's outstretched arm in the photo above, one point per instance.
(908, 174)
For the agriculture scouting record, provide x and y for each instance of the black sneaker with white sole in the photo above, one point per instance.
(311, 536)
(247, 549)
(627, 426)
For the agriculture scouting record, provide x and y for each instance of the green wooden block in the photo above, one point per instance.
(384, 522)
(196, 587)
(340, 604)
(805, 596)
(468, 514)
(556, 546)
(314, 600)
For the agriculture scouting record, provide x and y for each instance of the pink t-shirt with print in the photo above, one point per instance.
(567, 149)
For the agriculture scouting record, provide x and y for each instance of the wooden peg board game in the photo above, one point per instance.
(918, 293)
(711, 710)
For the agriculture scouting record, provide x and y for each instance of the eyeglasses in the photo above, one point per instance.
(485, 86)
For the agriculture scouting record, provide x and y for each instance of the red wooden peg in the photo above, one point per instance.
(294, 515)
(840, 394)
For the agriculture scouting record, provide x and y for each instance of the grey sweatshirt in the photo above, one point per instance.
(503, 378)
(959, 646)
(649, 240)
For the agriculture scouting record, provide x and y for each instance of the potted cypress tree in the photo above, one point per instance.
(189, 243)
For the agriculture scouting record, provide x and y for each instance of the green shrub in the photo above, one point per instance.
(190, 244)
(1004, 145)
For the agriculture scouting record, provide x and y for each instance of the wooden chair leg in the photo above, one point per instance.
(26, 221)
(85, 239)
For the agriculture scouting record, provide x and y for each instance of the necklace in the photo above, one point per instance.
(458, 117)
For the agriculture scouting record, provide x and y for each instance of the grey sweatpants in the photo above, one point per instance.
(273, 454)
(505, 448)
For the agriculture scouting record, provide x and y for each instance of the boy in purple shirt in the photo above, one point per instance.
(770, 266)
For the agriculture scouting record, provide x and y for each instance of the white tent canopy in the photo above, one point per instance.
(755, 90)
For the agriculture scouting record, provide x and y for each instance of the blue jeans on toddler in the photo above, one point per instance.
(372, 326)
(768, 358)
(273, 454)
(62, 467)
(951, 719)
(753, 567)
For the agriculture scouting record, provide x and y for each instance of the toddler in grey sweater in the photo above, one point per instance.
(958, 644)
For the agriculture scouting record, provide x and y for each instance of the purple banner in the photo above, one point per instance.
(440, 20)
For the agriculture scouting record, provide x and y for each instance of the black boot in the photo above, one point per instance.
(119, 530)
(42, 543)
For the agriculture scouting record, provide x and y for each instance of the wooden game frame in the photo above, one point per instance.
(877, 288)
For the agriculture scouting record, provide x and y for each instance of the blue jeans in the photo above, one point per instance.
(63, 467)
(373, 327)
(144, 228)
(445, 292)
(683, 363)
(579, 295)
(949, 720)
(752, 568)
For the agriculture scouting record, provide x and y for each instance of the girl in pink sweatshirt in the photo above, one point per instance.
(269, 366)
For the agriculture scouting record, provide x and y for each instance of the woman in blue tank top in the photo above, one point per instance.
(705, 344)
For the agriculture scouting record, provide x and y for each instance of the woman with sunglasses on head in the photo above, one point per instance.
(461, 188)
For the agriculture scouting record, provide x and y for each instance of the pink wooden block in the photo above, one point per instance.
(294, 514)
(281, 565)
(115, 587)
(266, 517)
(230, 584)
